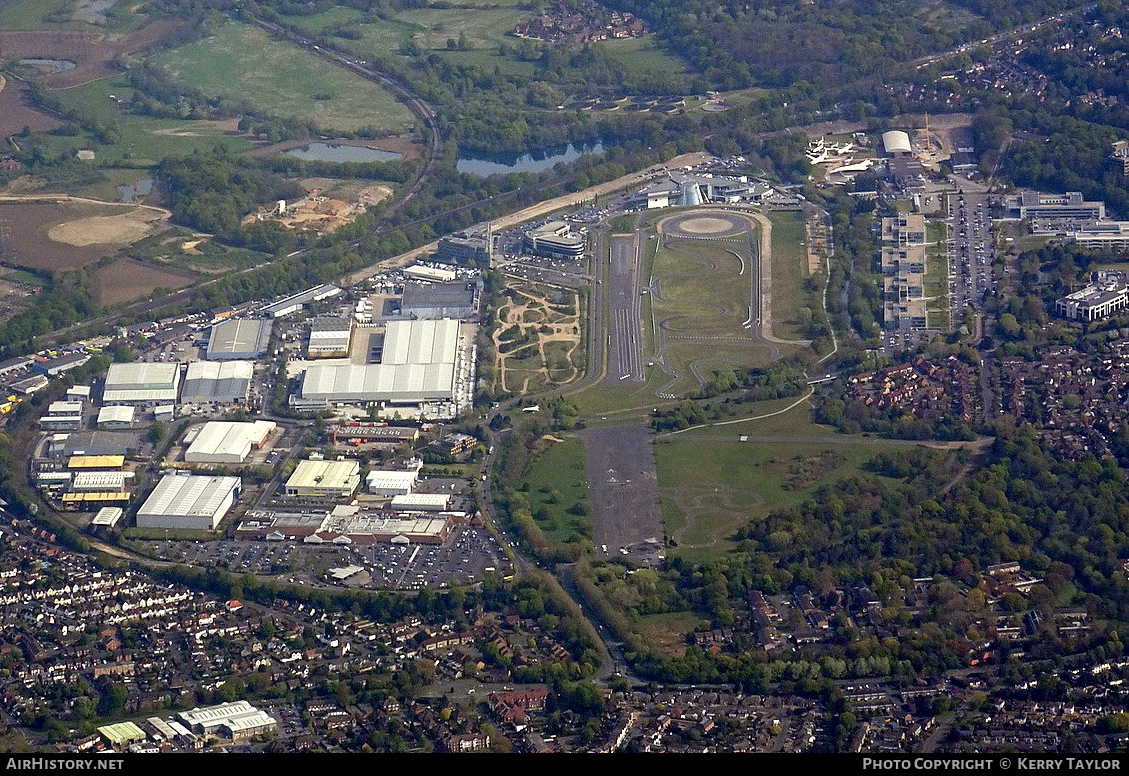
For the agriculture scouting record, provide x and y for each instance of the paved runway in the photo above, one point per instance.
(625, 352)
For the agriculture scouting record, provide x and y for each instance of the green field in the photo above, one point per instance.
(482, 31)
(429, 28)
(711, 483)
(702, 304)
(557, 481)
(140, 141)
(789, 270)
(643, 55)
(242, 63)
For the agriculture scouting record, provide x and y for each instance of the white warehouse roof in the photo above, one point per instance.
(220, 441)
(421, 501)
(115, 414)
(324, 476)
(896, 141)
(394, 482)
(418, 364)
(421, 342)
(142, 382)
(239, 338)
(188, 502)
(379, 382)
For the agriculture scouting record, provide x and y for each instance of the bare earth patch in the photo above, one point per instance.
(374, 195)
(105, 230)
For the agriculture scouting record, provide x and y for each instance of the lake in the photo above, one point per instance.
(538, 161)
(335, 152)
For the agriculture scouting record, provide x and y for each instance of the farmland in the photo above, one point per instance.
(124, 280)
(91, 52)
(69, 235)
(243, 63)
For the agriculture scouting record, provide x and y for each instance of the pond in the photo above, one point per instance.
(537, 161)
(335, 152)
(48, 66)
(131, 190)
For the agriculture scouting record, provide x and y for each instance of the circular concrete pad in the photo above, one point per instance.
(706, 226)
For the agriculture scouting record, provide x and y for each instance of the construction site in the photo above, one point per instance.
(317, 212)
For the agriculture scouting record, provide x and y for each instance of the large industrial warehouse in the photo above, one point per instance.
(194, 502)
(322, 480)
(418, 365)
(227, 441)
(142, 383)
(239, 340)
(217, 381)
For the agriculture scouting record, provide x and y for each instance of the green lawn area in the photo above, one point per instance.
(319, 22)
(1032, 242)
(643, 55)
(243, 63)
(487, 60)
(789, 269)
(557, 481)
(711, 483)
(701, 287)
(667, 632)
(23, 276)
(484, 29)
(617, 403)
(141, 140)
(790, 424)
(936, 276)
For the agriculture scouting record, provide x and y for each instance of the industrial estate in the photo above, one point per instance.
(504, 377)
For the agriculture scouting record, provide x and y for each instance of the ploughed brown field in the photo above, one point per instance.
(127, 279)
(47, 236)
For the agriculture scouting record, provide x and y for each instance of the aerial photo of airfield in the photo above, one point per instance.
(563, 376)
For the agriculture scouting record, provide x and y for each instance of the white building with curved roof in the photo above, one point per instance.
(896, 142)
